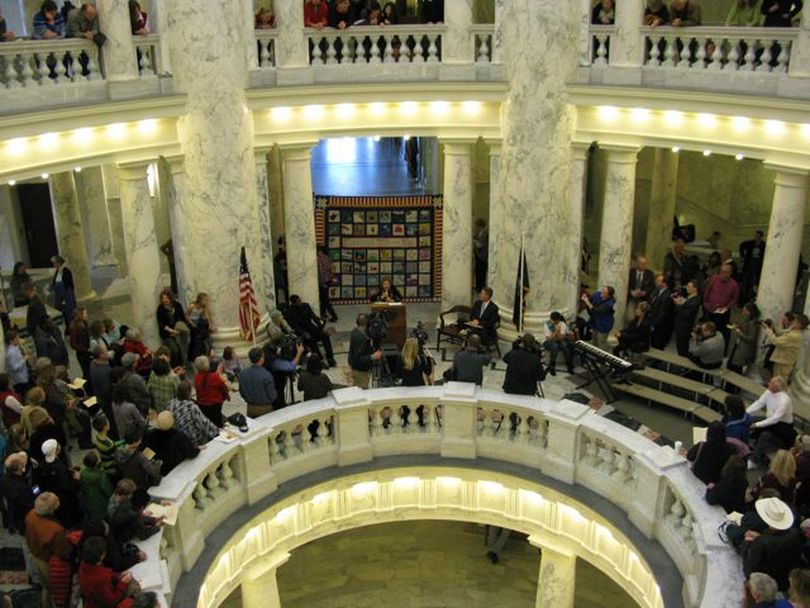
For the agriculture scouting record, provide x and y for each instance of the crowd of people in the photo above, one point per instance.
(686, 13)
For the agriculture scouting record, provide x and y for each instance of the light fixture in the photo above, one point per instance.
(673, 117)
(740, 123)
(676, 149)
(377, 138)
(739, 156)
(48, 140)
(82, 135)
(346, 110)
(147, 127)
(376, 108)
(707, 152)
(806, 130)
(313, 111)
(406, 137)
(116, 130)
(706, 120)
(408, 108)
(281, 114)
(471, 107)
(640, 114)
(44, 176)
(12, 182)
(77, 169)
(774, 127)
(406, 482)
(439, 108)
(17, 145)
(608, 112)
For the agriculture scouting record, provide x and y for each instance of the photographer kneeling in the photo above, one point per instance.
(524, 367)
(281, 358)
(706, 347)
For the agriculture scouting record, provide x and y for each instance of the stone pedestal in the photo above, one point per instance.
(261, 591)
(119, 56)
(93, 205)
(579, 179)
(299, 224)
(537, 37)
(615, 249)
(70, 233)
(457, 252)
(626, 45)
(494, 210)
(264, 256)
(663, 199)
(784, 242)
(557, 581)
(142, 250)
(457, 45)
(216, 138)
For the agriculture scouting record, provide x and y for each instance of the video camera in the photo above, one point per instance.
(378, 325)
(288, 346)
(420, 334)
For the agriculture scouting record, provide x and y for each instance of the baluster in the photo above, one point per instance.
(10, 75)
(541, 434)
(495, 419)
(716, 56)
(308, 443)
(146, 60)
(331, 51)
(750, 56)
(264, 54)
(199, 497)
(323, 431)
(418, 50)
(590, 457)
(92, 64)
(29, 76)
(226, 476)
(271, 45)
(620, 474)
(655, 53)
(676, 512)
(733, 57)
(433, 50)
(395, 427)
(289, 443)
(211, 484)
(275, 447)
(413, 420)
(783, 59)
(59, 70)
(388, 50)
(683, 58)
(480, 418)
(483, 50)
(522, 431)
(765, 58)
(377, 422)
(375, 56)
(427, 419)
(700, 54)
(601, 50)
(686, 526)
(669, 52)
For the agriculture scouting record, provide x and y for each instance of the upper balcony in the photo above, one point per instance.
(37, 75)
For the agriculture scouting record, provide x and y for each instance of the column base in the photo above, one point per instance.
(232, 336)
(532, 322)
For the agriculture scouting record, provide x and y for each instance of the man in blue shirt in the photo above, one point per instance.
(48, 23)
(256, 385)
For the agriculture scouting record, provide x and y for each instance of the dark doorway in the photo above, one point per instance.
(40, 230)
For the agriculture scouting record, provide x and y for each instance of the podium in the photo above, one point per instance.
(396, 315)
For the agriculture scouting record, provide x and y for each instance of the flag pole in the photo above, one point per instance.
(522, 269)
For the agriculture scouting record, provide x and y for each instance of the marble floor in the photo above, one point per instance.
(424, 564)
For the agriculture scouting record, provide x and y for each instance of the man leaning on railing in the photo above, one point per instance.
(48, 23)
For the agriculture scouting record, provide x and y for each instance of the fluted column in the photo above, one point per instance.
(291, 45)
(494, 210)
(457, 45)
(784, 242)
(626, 44)
(663, 199)
(141, 248)
(93, 205)
(70, 233)
(457, 225)
(556, 583)
(112, 193)
(261, 591)
(299, 224)
(264, 258)
(616, 243)
(216, 138)
(180, 230)
(579, 180)
(119, 56)
(537, 37)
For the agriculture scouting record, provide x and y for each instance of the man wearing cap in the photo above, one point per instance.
(256, 385)
(776, 430)
(170, 446)
(41, 532)
(777, 550)
(53, 475)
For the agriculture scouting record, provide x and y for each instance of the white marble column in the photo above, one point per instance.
(800, 49)
(784, 242)
(159, 24)
(556, 584)
(616, 243)
(457, 255)
(497, 36)
(216, 138)
(626, 45)
(70, 233)
(457, 44)
(292, 53)
(299, 223)
(112, 195)
(264, 258)
(179, 207)
(663, 199)
(538, 37)
(141, 248)
(247, 9)
(162, 187)
(579, 180)
(584, 17)
(119, 56)
(261, 590)
(93, 205)
(494, 209)
(799, 388)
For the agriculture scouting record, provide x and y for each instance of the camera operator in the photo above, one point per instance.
(706, 347)
(310, 328)
(362, 353)
(281, 359)
(469, 363)
(524, 367)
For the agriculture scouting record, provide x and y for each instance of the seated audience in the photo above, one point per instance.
(211, 390)
(171, 447)
(469, 363)
(134, 465)
(189, 420)
(781, 476)
(95, 487)
(524, 367)
(708, 457)
(736, 420)
(310, 328)
(635, 337)
(265, 19)
(257, 386)
(729, 490)
(744, 339)
(600, 311)
(312, 382)
(787, 342)
(138, 19)
(485, 317)
(48, 22)
(556, 338)
(316, 14)
(776, 430)
(776, 550)
(706, 347)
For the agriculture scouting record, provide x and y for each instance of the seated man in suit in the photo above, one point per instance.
(485, 317)
(309, 328)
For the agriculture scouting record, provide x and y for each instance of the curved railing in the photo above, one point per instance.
(563, 440)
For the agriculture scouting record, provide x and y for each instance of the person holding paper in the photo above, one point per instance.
(708, 457)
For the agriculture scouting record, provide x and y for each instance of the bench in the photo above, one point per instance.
(651, 395)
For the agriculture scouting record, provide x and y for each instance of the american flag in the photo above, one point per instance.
(248, 308)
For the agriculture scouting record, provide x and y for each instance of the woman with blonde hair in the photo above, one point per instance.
(201, 326)
(417, 368)
(781, 476)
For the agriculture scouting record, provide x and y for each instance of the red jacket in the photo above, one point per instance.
(60, 573)
(314, 15)
(101, 587)
(211, 389)
(144, 356)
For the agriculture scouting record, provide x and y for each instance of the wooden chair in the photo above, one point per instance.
(450, 331)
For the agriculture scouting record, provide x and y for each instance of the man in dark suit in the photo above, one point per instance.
(752, 253)
(309, 328)
(641, 285)
(661, 313)
(485, 316)
(686, 312)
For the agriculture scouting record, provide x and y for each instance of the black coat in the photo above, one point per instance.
(19, 498)
(171, 447)
(709, 459)
(686, 315)
(488, 321)
(729, 494)
(647, 284)
(774, 553)
(524, 370)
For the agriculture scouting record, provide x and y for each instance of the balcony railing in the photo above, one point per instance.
(147, 50)
(564, 440)
(482, 40)
(600, 44)
(266, 48)
(33, 63)
(370, 44)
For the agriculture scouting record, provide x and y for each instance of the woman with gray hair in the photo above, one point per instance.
(765, 591)
(211, 389)
(278, 327)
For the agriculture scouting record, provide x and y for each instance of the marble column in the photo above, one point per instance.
(70, 234)
(179, 207)
(216, 138)
(264, 257)
(538, 37)
(159, 24)
(497, 36)
(113, 199)
(579, 180)
(261, 591)
(457, 44)
(457, 255)
(141, 248)
(119, 56)
(663, 199)
(616, 243)
(291, 45)
(299, 224)
(557, 581)
(275, 183)
(799, 388)
(784, 241)
(93, 205)
(248, 10)
(585, 50)
(626, 45)
(161, 173)
(494, 210)
(800, 49)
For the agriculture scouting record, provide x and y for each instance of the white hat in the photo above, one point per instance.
(49, 449)
(775, 513)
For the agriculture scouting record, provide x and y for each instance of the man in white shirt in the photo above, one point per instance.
(556, 339)
(775, 431)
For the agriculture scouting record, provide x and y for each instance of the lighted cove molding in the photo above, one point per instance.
(549, 518)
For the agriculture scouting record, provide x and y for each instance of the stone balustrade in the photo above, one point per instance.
(27, 64)
(148, 55)
(600, 36)
(375, 44)
(562, 440)
(482, 40)
(266, 49)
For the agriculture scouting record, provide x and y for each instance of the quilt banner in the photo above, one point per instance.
(372, 237)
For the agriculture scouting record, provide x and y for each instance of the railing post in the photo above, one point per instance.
(456, 48)
(563, 434)
(352, 426)
(118, 55)
(626, 45)
(260, 478)
(800, 50)
(459, 410)
(292, 53)
(647, 503)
